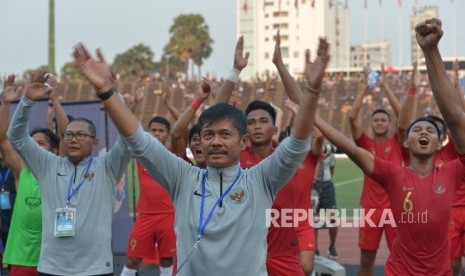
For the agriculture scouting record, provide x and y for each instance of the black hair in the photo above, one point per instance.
(52, 137)
(223, 112)
(194, 130)
(425, 119)
(90, 124)
(254, 105)
(438, 119)
(380, 110)
(160, 120)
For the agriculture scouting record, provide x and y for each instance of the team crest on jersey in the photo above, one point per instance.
(439, 189)
(387, 149)
(90, 176)
(238, 195)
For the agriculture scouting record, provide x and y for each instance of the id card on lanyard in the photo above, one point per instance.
(5, 203)
(65, 219)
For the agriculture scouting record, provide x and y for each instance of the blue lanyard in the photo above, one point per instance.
(4, 180)
(70, 194)
(203, 225)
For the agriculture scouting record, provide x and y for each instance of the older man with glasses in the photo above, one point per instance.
(77, 186)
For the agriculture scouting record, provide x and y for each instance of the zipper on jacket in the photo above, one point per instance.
(221, 188)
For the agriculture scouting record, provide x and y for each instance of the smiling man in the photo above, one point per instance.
(222, 231)
(77, 186)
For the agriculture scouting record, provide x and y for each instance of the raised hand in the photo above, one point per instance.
(41, 85)
(9, 93)
(314, 71)
(167, 93)
(240, 61)
(429, 32)
(277, 58)
(96, 71)
(139, 91)
(205, 90)
(362, 84)
(292, 106)
(52, 84)
(382, 79)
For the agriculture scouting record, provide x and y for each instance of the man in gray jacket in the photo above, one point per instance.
(221, 210)
(77, 191)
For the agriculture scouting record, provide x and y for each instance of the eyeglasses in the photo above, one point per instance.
(80, 136)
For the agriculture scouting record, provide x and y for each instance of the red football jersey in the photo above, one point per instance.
(295, 194)
(421, 207)
(153, 198)
(373, 195)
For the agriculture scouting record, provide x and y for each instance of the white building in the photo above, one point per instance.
(419, 14)
(300, 24)
(375, 54)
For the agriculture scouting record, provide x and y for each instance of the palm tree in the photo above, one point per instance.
(190, 40)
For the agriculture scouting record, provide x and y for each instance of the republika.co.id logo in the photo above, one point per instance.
(339, 218)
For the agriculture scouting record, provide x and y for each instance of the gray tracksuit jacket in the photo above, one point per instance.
(89, 251)
(234, 241)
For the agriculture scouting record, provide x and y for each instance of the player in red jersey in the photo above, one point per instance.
(181, 137)
(385, 146)
(446, 154)
(457, 219)
(422, 194)
(285, 244)
(155, 220)
(291, 251)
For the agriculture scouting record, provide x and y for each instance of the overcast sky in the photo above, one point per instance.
(116, 25)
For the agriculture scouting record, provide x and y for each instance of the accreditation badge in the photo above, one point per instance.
(65, 222)
(5, 200)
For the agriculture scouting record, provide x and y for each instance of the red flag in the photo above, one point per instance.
(313, 3)
(245, 6)
(400, 3)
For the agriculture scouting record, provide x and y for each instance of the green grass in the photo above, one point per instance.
(348, 180)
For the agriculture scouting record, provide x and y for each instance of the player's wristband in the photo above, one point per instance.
(234, 75)
(196, 104)
(412, 91)
(105, 95)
